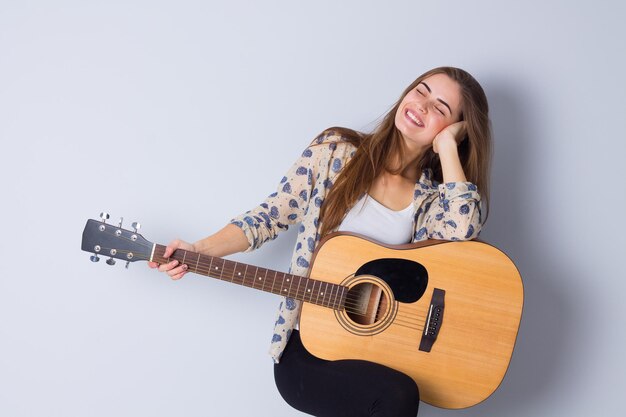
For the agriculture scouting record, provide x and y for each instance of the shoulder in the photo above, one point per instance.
(331, 144)
(339, 136)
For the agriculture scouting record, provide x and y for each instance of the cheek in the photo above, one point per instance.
(437, 125)
(399, 119)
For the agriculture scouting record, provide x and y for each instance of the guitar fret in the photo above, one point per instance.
(221, 269)
(312, 293)
(260, 279)
(298, 289)
(309, 290)
(232, 279)
(338, 297)
(197, 261)
(290, 284)
(245, 272)
(317, 297)
(274, 281)
(332, 304)
(256, 273)
(319, 292)
(328, 295)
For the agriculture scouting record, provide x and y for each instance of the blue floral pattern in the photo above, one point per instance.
(449, 211)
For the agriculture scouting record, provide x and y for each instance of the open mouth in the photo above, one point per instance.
(414, 118)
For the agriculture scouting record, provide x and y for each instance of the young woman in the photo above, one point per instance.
(417, 176)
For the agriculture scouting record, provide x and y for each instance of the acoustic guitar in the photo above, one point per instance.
(445, 313)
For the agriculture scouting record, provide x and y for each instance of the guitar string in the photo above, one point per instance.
(226, 270)
(409, 321)
(349, 302)
(351, 305)
(204, 264)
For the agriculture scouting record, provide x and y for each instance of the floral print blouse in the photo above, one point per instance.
(449, 211)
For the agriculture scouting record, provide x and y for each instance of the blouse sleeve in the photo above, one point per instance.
(456, 212)
(284, 207)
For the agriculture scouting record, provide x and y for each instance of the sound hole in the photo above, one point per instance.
(366, 303)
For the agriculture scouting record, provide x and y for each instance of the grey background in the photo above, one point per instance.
(183, 114)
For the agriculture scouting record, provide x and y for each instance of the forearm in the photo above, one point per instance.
(230, 239)
(451, 164)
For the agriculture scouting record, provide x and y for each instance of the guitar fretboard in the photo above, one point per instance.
(301, 288)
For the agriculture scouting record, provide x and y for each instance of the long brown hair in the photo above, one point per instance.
(376, 151)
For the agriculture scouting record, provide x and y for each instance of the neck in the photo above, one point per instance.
(407, 167)
(300, 288)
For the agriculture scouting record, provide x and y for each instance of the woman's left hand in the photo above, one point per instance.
(450, 136)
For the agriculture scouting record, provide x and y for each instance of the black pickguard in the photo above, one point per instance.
(408, 279)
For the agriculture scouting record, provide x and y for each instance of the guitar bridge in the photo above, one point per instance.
(433, 321)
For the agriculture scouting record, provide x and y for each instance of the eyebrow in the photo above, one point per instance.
(438, 99)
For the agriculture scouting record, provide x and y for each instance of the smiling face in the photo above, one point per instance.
(427, 109)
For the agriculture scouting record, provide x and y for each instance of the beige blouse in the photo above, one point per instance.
(449, 211)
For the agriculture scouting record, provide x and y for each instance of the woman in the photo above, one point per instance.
(415, 177)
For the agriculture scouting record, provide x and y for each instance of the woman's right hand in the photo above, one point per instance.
(173, 269)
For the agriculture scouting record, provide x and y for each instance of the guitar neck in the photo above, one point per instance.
(300, 288)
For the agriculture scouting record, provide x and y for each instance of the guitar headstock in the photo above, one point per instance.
(102, 238)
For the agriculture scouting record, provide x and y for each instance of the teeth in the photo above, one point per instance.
(412, 117)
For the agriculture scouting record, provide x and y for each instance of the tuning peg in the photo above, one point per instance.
(110, 261)
(120, 223)
(136, 226)
(94, 258)
(127, 263)
(104, 216)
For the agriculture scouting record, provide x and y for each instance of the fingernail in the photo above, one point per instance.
(184, 267)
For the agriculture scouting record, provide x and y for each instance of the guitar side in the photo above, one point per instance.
(483, 306)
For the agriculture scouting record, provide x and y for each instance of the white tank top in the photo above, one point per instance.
(370, 218)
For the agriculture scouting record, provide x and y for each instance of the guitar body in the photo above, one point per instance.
(478, 327)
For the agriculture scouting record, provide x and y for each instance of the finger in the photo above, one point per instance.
(166, 267)
(178, 276)
(169, 250)
(171, 247)
(177, 273)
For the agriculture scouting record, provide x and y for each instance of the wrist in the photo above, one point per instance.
(447, 149)
(451, 166)
(201, 246)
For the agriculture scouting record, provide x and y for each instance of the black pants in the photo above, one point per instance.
(346, 388)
